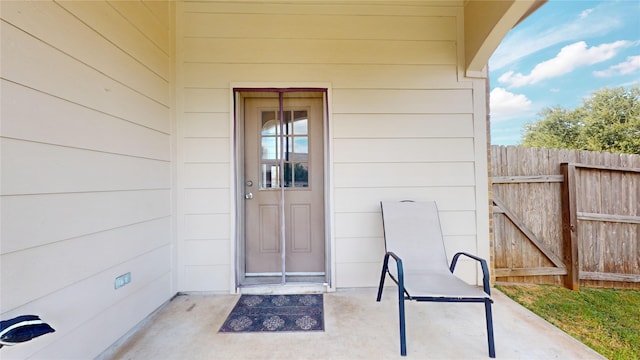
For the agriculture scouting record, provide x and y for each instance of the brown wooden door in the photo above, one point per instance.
(284, 186)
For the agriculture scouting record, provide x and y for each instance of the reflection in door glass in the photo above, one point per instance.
(269, 148)
(296, 149)
(270, 176)
(270, 124)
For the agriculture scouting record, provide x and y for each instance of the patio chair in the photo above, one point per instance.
(413, 238)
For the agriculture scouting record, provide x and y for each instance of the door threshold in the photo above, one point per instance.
(284, 289)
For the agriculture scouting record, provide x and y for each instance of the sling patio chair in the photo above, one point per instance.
(413, 238)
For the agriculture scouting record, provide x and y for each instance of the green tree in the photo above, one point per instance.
(609, 121)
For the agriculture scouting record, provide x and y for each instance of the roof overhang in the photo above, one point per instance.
(486, 23)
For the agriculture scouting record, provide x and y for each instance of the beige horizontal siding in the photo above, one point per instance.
(162, 11)
(122, 310)
(49, 20)
(384, 101)
(358, 76)
(318, 51)
(402, 126)
(104, 19)
(206, 175)
(56, 268)
(206, 150)
(204, 252)
(207, 277)
(145, 22)
(403, 150)
(358, 175)
(66, 216)
(65, 123)
(443, 8)
(205, 125)
(309, 26)
(28, 163)
(67, 78)
(207, 227)
(401, 121)
(86, 171)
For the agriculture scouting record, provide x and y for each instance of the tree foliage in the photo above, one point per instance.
(607, 121)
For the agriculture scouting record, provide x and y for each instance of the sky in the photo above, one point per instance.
(559, 56)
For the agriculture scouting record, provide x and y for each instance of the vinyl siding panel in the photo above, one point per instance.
(402, 118)
(26, 164)
(69, 215)
(52, 21)
(402, 126)
(361, 175)
(405, 150)
(67, 124)
(318, 51)
(86, 170)
(343, 76)
(104, 19)
(313, 26)
(83, 84)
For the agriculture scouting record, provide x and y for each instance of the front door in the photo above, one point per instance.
(284, 185)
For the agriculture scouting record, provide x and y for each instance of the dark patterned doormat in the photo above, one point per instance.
(270, 313)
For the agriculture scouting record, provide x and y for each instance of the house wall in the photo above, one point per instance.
(404, 123)
(86, 169)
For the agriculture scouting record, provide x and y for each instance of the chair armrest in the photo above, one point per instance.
(483, 264)
(398, 260)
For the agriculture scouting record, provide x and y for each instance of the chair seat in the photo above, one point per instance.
(440, 285)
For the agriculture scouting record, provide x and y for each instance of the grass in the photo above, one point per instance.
(606, 320)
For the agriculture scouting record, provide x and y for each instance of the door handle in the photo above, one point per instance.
(248, 196)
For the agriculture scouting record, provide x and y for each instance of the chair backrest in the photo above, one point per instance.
(412, 231)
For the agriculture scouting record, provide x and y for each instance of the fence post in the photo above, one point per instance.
(570, 226)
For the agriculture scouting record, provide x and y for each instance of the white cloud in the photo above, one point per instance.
(585, 13)
(505, 104)
(631, 65)
(550, 26)
(568, 59)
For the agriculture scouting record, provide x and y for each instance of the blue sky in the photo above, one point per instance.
(558, 56)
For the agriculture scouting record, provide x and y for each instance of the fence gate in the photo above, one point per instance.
(585, 230)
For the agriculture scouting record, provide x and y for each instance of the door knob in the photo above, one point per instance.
(248, 196)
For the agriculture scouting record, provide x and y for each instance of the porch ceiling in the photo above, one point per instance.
(486, 23)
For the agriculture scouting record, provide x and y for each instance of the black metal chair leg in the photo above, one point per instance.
(403, 335)
(489, 316)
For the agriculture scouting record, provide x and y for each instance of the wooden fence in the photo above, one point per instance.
(566, 217)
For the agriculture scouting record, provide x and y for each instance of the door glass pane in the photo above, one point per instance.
(288, 175)
(301, 174)
(296, 175)
(269, 148)
(295, 141)
(300, 121)
(270, 176)
(270, 124)
(301, 148)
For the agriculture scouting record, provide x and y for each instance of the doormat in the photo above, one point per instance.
(272, 313)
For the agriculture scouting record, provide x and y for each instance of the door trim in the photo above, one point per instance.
(237, 264)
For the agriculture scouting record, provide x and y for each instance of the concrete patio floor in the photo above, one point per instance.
(356, 327)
